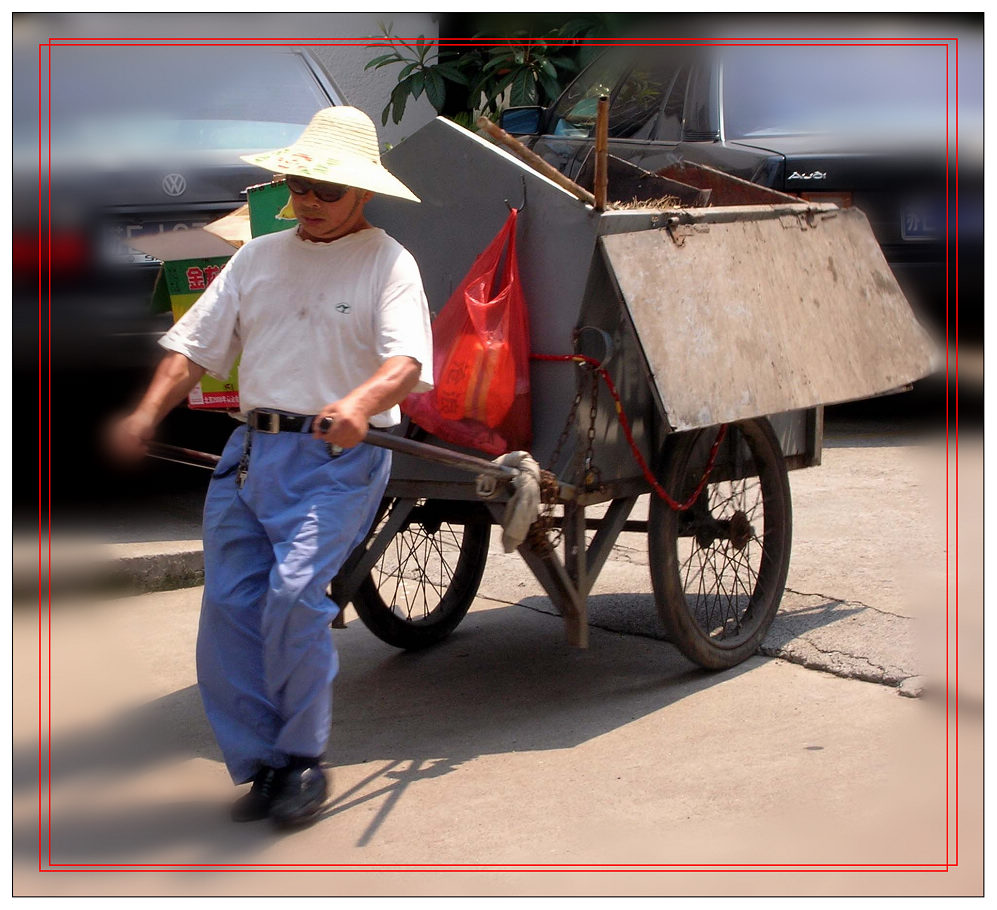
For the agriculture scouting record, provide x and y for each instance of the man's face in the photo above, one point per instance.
(323, 221)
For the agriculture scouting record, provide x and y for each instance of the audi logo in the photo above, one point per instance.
(174, 184)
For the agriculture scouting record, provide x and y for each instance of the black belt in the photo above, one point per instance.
(278, 421)
(282, 422)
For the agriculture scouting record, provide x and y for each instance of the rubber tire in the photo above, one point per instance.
(687, 612)
(437, 617)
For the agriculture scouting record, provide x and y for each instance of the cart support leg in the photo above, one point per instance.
(550, 572)
(608, 530)
(575, 560)
(568, 583)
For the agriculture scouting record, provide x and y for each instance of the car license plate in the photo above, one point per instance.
(119, 235)
(922, 221)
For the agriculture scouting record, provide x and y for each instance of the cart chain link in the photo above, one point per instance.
(568, 424)
(591, 477)
(658, 490)
(543, 539)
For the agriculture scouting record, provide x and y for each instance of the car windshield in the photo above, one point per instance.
(871, 90)
(153, 98)
(640, 84)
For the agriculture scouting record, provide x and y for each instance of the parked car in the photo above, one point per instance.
(864, 124)
(113, 142)
(144, 140)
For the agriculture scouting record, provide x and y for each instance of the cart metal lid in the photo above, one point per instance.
(756, 310)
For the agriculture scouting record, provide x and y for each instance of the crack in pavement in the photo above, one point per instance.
(877, 673)
(842, 602)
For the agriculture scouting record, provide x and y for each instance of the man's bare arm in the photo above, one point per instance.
(391, 384)
(174, 378)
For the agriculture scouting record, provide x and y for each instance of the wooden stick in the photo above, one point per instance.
(534, 160)
(601, 180)
(183, 456)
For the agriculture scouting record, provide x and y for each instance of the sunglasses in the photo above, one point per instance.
(326, 192)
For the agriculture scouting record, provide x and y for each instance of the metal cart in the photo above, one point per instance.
(684, 354)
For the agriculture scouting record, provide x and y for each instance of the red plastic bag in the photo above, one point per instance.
(481, 358)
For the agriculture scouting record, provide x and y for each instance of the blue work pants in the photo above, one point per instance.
(265, 655)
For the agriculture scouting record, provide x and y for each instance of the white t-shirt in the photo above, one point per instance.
(311, 320)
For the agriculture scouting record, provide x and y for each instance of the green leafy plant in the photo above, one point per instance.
(423, 70)
(531, 70)
(516, 69)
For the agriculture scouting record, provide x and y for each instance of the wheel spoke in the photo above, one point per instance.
(720, 578)
(399, 572)
(425, 580)
(419, 572)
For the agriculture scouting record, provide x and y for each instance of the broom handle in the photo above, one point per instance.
(535, 161)
(601, 180)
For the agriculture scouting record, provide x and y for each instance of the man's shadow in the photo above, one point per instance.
(505, 681)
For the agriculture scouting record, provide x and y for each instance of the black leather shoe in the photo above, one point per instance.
(300, 798)
(256, 804)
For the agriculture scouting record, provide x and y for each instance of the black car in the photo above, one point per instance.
(113, 141)
(869, 124)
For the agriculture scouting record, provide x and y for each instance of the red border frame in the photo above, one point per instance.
(45, 516)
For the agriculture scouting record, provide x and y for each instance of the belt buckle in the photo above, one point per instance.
(272, 422)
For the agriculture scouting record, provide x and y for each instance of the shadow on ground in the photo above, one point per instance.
(504, 682)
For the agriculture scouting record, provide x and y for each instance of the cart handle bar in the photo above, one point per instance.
(470, 463)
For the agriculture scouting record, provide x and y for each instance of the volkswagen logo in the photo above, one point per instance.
(174, 184)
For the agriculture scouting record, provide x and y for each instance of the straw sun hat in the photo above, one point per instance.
(338, 146)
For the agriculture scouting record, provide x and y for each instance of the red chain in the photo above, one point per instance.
(625, 424)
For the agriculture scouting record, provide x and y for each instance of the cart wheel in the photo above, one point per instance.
(426, 579)
(719, 569)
